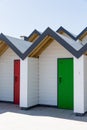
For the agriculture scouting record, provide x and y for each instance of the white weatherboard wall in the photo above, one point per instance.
(79, 85)
(29, 82)
(7, 75)
(85, 83)
(33, 81)
(24, 83)
(48, 72)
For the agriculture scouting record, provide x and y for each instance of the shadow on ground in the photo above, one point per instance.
(42, 111)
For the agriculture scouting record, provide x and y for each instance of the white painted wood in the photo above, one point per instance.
(7, 75)
(48, 72)
(24, 83)
(33, 81)
(85, 83)
(29, 82)
(79, 85)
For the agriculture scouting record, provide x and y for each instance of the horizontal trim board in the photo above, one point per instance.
(80, 114)
(27, 108)
(43, 105)
(38, 105)
(7, 102)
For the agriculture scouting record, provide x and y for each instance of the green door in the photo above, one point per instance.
(65, 83)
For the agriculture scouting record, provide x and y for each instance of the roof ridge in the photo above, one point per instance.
(53, 34)
(33, 32)
(70, 34)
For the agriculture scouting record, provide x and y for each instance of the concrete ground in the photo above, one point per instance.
(39, 118)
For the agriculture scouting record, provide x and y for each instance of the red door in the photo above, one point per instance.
(16, 81)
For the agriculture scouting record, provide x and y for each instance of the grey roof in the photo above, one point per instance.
(17, 45)
(72, 45)
(60, 29)
(23, 48)
(34, 32)
(75, 44)
(74, 35)
(20, 44)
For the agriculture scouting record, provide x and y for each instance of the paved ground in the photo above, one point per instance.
(39, 118)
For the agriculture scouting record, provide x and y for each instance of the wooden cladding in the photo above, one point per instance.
(41, 47)
(33, 38)
(3, 47)
(82, 36)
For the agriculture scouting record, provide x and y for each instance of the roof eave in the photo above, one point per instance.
(9, 43)
(34, 32)
(53, 34)
(61, 29)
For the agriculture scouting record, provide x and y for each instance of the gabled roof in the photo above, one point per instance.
(25, 48)
(82, 34)
(61, 29)
(17, 45)
(74, 37)
(75, 44)
(77, 49)
(33, 35)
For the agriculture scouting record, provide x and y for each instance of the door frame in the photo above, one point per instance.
(58, 77)
(14, 81)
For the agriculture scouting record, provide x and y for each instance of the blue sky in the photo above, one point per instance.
(21, 17)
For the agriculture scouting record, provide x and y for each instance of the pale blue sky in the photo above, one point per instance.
(21, 17)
